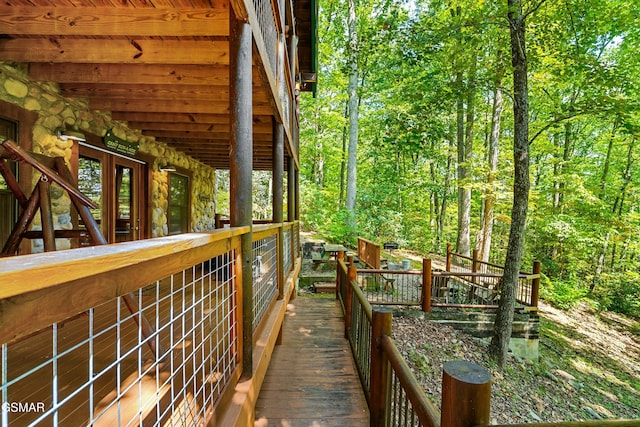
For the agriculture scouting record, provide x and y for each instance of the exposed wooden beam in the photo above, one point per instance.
(192, 92)
(183, 118)
(194, 136)
(194, 127)
(169, 106)
(115, 51)
(112, 21)
(217, 75)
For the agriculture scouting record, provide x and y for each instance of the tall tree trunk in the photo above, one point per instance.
(620, 198)
(464, 196)
(353, 116)
(343, 161)
(504, 318)
(445, 194)
(603, 186)
(486, 231)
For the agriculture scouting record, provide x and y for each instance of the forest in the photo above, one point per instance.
(410, 136)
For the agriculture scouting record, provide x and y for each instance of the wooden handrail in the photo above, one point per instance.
(427, 413)
(597, 423)
(40, 289)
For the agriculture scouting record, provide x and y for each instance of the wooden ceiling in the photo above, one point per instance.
(160, 65)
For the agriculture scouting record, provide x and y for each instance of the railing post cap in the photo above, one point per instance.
(381, 309)
(468, 372)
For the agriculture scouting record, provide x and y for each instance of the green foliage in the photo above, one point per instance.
(584, 130)
(620, 293)
(563, 293)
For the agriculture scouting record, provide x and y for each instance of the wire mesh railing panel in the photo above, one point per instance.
(360, 339)
(401, 413)
(267, 25)
(464, 289)
(287, 255)
(98, 368)
(265, 280)
(396, 287)
(524, 291)
(296, 240)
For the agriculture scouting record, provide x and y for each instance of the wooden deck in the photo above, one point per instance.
(312, 380)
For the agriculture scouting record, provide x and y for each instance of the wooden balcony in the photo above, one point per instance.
(149, 332)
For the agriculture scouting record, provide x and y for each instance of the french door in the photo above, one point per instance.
(116, 185)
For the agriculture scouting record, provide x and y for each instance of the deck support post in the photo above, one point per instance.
(277, 183)
(466, 394)
(339, 261)
(381, 324)
(241, 168)
(427, 279)
(535, 285)
(348, 296)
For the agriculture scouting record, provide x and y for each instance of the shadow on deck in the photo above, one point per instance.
(312, 380)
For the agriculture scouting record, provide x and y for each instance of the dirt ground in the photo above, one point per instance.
(589, 366)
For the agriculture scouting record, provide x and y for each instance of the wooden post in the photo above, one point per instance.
(474, 265)
(24, 220)
(381, 324)
(241, 168)
(466, 394)
(339, 258)
(46, 216)
(218, 221)
(426, 285)
(448, 265)
(352, 275)
(535, 285)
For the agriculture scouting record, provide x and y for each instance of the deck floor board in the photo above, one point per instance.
(312, 380)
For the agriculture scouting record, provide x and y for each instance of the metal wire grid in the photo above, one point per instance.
(360, 339)
(267, 23)
(401, 412)
(395, 287)
(296, 240)
(265, 282)
(288, 261)
(97, 368)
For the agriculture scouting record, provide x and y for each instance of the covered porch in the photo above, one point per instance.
(171, 315)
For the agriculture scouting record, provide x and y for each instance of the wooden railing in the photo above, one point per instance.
(393, 394)
(392, 391)
(369, 253)
(466, 282)
(527, 286)
(142, 332)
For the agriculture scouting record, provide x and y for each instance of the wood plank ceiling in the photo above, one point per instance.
(160, 65)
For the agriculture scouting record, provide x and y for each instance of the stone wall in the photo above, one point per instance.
(54, 111)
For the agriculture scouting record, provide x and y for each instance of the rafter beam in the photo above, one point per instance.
(111, 21)
(115, 51)
(194, 127)
(217, 75)
(169, 106)
(192, 92)
(184, 118)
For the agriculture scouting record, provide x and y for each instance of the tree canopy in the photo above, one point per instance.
(429, 75)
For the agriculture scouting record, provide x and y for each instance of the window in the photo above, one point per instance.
(178, 215)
